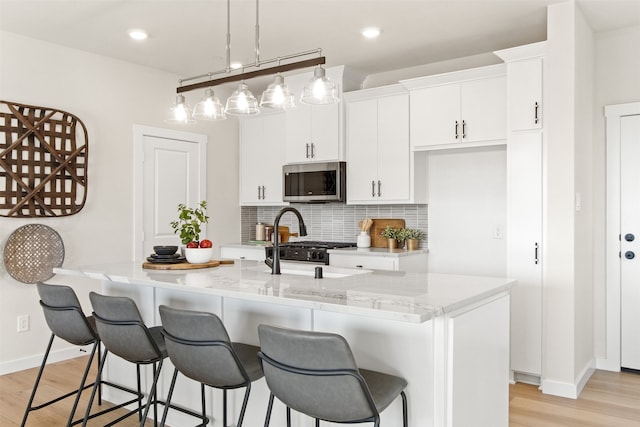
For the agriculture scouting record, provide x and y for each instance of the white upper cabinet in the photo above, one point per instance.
(461, 107)
(380, 166)
(261, 158)
(314, 133)
(524, 85)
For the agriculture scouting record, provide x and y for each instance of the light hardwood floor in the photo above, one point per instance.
(610, 399)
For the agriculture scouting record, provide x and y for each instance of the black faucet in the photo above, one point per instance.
(274, 263)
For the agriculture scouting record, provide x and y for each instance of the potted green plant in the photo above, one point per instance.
(391, 234)
(413, 237)
(189, 226)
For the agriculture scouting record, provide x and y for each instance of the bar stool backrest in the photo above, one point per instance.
(315, 373)
(122, 329)
(63, 314)
(199, 346)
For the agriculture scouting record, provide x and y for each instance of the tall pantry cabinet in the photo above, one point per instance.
(525, 65)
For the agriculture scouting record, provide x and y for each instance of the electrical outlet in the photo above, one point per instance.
(498, 232)
(23, 323)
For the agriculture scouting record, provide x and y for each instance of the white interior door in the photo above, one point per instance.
(630, 240)
(170, 169)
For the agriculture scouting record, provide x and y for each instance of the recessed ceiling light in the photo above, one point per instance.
(138, 34)
(371, 32)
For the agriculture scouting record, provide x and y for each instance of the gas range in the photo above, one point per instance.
(308, 250)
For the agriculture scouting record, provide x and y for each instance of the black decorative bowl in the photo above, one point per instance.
(165, 250)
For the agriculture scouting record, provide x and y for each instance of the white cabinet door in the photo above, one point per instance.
(484, 110)
(435, 115)
(325, 133)
(313, 133)
(362, 149)
(261, 159)
(524, 85)
(379, 166)
(524, 249)
(394, 166)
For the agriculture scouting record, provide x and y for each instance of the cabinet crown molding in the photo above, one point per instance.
(455, 76)
(533, 50)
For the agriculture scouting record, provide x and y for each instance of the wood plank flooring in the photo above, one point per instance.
(610, 399)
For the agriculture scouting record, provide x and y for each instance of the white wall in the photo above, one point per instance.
(467, 200)
(110, 97)
(616, 82)
(568, 351)
(584, 226)
(559, 231)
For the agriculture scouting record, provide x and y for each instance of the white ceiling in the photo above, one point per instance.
(188, 37)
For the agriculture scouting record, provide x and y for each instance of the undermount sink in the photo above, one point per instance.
(309, 270)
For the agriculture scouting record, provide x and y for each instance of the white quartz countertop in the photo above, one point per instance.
(378, 252)
(393, 295)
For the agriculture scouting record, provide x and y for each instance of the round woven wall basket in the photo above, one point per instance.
(32, 252)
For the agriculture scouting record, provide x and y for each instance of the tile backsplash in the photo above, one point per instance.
(332, 221)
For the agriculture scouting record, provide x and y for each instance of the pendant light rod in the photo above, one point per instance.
(307, 63)
(228, 64)
(257, 48)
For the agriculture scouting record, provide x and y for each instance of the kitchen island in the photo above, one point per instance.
(447, 335)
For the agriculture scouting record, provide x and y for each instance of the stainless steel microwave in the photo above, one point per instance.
(314, 182)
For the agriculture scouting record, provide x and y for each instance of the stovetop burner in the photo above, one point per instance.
(307, 250)
(318, 244)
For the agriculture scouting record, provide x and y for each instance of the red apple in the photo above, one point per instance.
(192, 244)
(206, 243)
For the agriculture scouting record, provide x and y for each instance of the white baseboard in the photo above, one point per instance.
(569, 390)
(607, 364)
(36, 360)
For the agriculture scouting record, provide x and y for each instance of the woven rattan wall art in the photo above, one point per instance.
(43, 161)
(32, 252)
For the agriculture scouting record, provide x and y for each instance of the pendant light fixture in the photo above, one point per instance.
(180, 112)
(209, 107)
(242, 102)
(278, 95)
(320, 90)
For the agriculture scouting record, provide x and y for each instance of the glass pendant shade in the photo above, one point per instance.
(278, 95)
(209, 107)
(180, 112)
(320, 90)
(242, 102)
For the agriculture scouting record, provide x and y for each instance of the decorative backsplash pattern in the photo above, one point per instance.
(332, 221)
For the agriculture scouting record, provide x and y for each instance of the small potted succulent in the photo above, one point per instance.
(413, 237)
(393, 237)
(189, 226)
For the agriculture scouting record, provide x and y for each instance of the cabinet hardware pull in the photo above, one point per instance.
(379, 191)
(313, 154)
(456, 129)
(535, 110)
(307, 155)
(373, 189)
(263, 196)
(258, 192)
(464, 130)
(358, 266)
(536, 259)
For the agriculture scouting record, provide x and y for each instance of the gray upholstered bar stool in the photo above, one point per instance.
(200, 348)
(315, 373)
(64, 316)
(124, 334)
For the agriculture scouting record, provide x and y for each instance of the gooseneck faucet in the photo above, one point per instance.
(274, 263)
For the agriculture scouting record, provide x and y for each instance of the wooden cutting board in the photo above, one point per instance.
(378, 241)
(185, 265)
